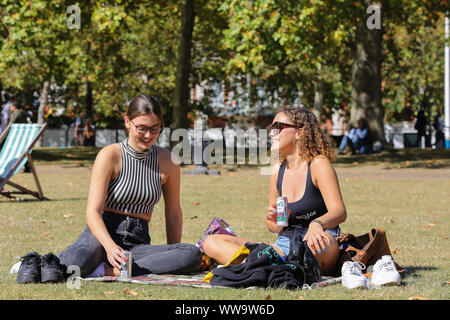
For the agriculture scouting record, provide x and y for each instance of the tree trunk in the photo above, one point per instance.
(181, 95)
(43, 101)
(88, 90)
(366, 77)
(1, 94)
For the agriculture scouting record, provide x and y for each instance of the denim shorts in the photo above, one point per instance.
(283, 242)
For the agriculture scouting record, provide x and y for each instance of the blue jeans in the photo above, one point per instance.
(355, 144)
(132, 234)
(284, 240)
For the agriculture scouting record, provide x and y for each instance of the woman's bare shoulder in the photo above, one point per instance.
(110, 152)
(320, 162)
(166, 158)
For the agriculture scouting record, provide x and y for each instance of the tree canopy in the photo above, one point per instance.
(286, 49)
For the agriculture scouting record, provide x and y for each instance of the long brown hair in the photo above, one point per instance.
(313, 142)
(141, 105)
(144, 104)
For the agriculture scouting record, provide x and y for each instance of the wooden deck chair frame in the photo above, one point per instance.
(27, 153)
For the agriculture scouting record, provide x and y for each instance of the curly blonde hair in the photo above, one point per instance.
(313, 142)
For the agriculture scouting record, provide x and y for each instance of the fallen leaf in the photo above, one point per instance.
(68, 215)
(396, 251)
(109, 292)
(47, 235)
(196, 203)
(431, 225)
(418, 298)
(301, 297)
(269, 297)
(391, 220)
(132, 292)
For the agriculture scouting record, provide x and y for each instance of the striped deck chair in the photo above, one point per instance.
(20, 139)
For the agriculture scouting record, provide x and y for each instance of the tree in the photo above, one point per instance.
(182, 92)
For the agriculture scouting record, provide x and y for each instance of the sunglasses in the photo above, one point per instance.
(143, 129)
(279, 126)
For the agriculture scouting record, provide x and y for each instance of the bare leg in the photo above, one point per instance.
(328, 258)
(222, 247)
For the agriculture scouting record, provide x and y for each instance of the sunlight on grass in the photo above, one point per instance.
(411, 203)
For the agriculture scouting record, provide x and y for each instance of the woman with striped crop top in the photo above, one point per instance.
(306, 177)
(127, 181)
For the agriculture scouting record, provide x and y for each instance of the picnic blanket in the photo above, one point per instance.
(193, 280)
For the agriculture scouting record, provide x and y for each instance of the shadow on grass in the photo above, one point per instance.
(37, 200)
(401, 158)
(413, 271)
(85, 154)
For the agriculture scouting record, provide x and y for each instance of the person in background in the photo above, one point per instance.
(439, 125)
(420, 126)
(89, 134)
(6, 112)
(18, 115)
(78, 129)
(357, 139)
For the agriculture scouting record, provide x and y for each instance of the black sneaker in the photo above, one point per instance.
(52, 270)
(30, 268)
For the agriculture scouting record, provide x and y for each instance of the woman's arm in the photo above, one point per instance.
(325, 178)
(171, 193)
(271, 219)
(102, 172)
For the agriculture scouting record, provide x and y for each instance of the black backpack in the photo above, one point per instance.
(300, 253)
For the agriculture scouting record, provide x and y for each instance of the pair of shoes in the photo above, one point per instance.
(384, 274)
(36, 268)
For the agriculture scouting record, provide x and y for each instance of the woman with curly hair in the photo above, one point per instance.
(306, 177)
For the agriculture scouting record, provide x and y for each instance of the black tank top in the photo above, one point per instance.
(309, 207)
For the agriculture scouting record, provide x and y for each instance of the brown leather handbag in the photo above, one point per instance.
(366, 248)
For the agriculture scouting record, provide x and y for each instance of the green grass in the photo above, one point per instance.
(405, 192)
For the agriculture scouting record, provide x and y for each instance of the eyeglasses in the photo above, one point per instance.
(279, 126)
(143, 129)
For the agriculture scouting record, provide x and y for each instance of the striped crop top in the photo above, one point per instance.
(137, 188)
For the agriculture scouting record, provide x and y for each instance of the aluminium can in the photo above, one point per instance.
(282, 211)
(125, 272)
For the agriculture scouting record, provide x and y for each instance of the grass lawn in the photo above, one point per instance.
(405, 192)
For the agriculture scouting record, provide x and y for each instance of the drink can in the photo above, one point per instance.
(282, 211)
(125, 272)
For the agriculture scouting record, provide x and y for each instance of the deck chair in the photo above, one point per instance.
(20, 139)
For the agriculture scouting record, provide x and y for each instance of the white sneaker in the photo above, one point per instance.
(352, 276)
(385, 273)
(15, 268)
